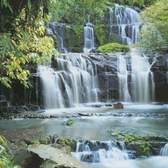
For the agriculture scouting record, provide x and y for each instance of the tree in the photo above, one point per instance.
(157, 15)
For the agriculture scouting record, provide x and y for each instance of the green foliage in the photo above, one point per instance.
(151, 38)
(77, 11)
(5, 159)
(27, 45)
(113, 47)
(100, 33)
(137, 3)
(157, 15)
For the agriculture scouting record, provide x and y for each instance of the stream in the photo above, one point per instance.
(99, 128)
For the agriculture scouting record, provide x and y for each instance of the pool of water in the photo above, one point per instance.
(98, 128)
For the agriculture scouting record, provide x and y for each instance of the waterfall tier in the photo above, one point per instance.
(89, 43)
(143, 86)
(164, 150)
(101, 152)
(71, 81)
(125, 22)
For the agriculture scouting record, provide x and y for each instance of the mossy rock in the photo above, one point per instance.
(70, 122)
(69, 144)
(113, 47)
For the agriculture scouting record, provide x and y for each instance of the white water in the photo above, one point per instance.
(143, 86)
(164, 150)
(127, 21)
(102, 153)
(123, 79)
(73, 82)
(89, 42)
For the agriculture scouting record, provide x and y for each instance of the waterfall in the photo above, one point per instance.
(73, 81)
(164, 150)
(123, 79)
(99, 152)
(126, 23)
(142, 78)
(57, 31)
(89, 43)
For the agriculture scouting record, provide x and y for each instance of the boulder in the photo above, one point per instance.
(54, 157)
(118, 106)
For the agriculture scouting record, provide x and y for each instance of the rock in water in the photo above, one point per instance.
(118, 106)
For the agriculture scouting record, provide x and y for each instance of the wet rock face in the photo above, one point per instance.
(107, 75)
(160, 69)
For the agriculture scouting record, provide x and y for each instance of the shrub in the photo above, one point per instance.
(113, 47)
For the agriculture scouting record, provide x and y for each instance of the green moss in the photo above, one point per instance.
(69, 144)
(70, 122)
(35, 141)
(113, 47)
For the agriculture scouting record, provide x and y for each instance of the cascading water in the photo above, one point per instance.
(123, 79)
(73, 82)
(89, 43)
(99, 152)
(142, 78)
(57, 31)
(126, 23)
(164, 150)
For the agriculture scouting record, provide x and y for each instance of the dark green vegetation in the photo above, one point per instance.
(113, 47)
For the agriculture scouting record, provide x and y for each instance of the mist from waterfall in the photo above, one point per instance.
(74, 81)
(126, 23)
(89, 41)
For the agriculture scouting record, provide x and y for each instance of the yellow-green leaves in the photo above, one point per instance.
(28, 45)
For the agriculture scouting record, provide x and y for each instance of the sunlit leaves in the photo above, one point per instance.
(28, 45)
